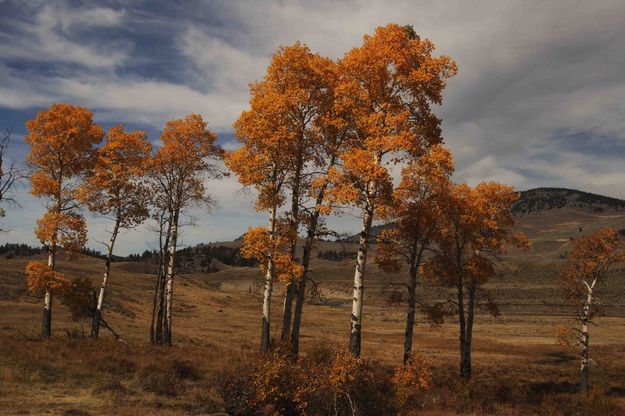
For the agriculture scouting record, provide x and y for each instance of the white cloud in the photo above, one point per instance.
(50, 37)
(529, 71)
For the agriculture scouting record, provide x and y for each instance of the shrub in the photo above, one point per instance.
(162, 382)
(411, 379)
(326, 382)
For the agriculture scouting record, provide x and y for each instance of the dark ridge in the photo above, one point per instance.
(538, 200)
(543, 199)
(199, 258)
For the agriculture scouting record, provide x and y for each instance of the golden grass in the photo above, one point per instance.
(216, 318)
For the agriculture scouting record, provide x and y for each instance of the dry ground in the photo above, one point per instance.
(216, 318)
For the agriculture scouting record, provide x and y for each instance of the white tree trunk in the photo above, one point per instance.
(266, 323)
(359, 288)
(97, 314)
(46, 327)
(169, 279)
(585, 320)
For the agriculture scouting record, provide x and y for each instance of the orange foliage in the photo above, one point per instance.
(275, 131)
(41, 278)
(415, 210)
(591, 258)
(66, 229)
(62, 146)
(181, 164)
(566, 336)
(478, 228)
(62, 141)
(412, 378)
(115, 183)
(387, 87)
(257, 244)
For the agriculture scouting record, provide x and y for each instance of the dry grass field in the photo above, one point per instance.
(518, 368)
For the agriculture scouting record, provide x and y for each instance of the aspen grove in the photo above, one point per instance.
(358, 135)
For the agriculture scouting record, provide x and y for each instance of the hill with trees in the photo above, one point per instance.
(544, 199)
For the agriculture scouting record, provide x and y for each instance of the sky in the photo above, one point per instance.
(539, 98)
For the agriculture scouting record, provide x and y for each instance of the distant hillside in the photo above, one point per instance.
(538, 200)
(543, 199)
(375, 231)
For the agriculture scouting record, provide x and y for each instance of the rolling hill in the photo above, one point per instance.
(544, 199)
(566, 204)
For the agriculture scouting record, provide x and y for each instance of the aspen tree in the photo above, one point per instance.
(61, 142)
(301, 79)
(415, 212)
(331, 130)
(115, 187)
(187, 157)
(387, 86)
(260, 163)
(588, 267)
(477, 230)
(275, 134)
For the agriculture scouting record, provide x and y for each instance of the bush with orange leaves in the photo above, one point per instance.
(325, 382)
(41, 278)
(412, 379)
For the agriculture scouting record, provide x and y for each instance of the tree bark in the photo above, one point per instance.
(154, 303)
(266, 321)
(410, 315)
(465, 356)
(466, 366)
(169, 280)
(359, 288)
(585, 367)
(46, 324)
(287, 312)
(156, 327)
(287, 309)
(97, 315)
(301, 293)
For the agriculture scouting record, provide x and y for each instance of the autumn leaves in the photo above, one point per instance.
(61, 142)
(122, 179)
(320, 136)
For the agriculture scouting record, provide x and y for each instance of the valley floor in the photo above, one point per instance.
(216, 320)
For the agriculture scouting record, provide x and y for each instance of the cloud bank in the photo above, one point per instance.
(539, 99)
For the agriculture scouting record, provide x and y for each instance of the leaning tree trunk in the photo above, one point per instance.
(287, 311)
(265, 328)
(410, 314)
(97, 314)
(359, 288)
(156, 327)
(46, 324)
(311, 234)
(585, 320)
(169, 280)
